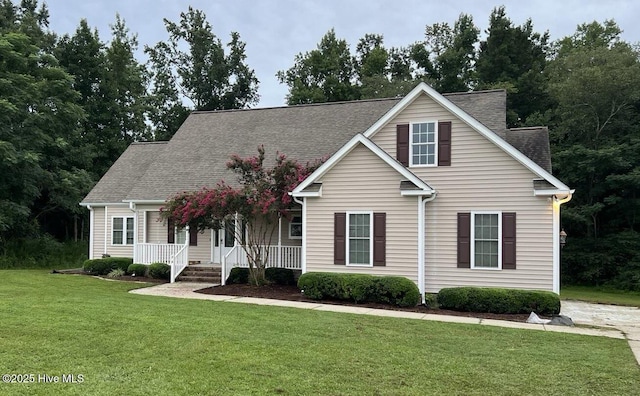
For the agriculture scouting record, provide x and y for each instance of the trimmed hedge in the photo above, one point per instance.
(238, 276)
(280, 276)
(105, 265)
(159, 271)
(501, 301)
(137, 269)
(393, 290)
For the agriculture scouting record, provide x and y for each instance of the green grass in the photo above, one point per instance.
(43, 252)
(601, 295)
(127, 344)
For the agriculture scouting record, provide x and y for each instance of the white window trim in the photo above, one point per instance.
(295, 214)
(473, 240)
(435, 143)
(124, 231)
(348, 239)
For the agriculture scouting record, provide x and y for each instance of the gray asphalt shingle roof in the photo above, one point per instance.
(197, 154)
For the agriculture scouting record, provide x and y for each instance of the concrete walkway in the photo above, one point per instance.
(614, 322)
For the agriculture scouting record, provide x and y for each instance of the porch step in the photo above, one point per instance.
(207, 274)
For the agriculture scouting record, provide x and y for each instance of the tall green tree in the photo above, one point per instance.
(41, 166)
(595, 82)
(193, 65)
(514, 57)
(448, 55)
(325, 74)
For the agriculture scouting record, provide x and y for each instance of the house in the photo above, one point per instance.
(431, 187)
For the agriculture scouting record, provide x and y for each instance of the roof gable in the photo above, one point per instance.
(417, 186)
(493, 137)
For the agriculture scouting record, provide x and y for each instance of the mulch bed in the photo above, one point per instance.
(292, 293)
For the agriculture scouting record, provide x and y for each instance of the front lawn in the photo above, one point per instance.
(600, 295)
(137, 345)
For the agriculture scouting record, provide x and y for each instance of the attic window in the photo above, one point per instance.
(423, 143)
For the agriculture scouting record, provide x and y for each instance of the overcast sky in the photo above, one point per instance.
(276, 30)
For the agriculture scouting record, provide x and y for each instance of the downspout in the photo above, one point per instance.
(132, 207)
(303, 254)
(421, 241)
(556, 238)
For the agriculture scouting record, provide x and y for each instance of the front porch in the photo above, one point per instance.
(177, 256)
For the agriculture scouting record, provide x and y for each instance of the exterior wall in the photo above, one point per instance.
(481, 177)
(97, 239)
(350, 186)
(156, 232)
(115, 250)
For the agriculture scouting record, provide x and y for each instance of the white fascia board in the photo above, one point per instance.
(346, 149)
(544, 193)
(416, 193)
(472, 122)
(103, 204)
(145, 201)
(312, 194)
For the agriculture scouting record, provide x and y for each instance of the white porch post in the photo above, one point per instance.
(106, 228)
(279, 240)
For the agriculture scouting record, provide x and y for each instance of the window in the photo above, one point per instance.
(423, 143)
(181, 236)
(295, 227)
(486, 249)
(122, 231)
(229, 233)
(359, 242)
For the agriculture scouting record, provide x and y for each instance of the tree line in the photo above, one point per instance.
(71, 104)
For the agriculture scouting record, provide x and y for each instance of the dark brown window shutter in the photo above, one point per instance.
(193, 235)
(508, 241)
(339, 238)
(171, 236)
(464, 240)
(402, 144)
(379, 239)
(444, 143)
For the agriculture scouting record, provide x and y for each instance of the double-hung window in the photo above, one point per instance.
(295, 227)
(486, 236)
(122, 231)
(423, 143)
(359, 241)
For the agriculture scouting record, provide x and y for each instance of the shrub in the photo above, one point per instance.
(137, 269)
(394, 290)
(431, 300)
(105, 265)
(115, 273)
(280, 276)
(495, 300)
(238, 276)
(160, 271)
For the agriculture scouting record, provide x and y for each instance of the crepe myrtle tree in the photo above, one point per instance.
(259, 199)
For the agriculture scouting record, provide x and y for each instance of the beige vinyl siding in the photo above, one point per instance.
(97, 239)
(481, 177)
(156, 229)
(118, 250)
(351, 186)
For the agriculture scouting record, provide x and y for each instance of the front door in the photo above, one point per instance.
(223, 241)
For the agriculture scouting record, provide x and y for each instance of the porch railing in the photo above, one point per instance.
(179, 261)
(147, 253)
(279, 257)
(177, 256)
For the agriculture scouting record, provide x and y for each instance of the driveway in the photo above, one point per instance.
(625, 319)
